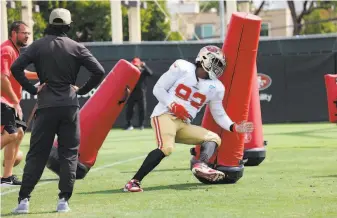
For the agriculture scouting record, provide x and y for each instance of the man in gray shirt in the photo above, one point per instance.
(57, 60)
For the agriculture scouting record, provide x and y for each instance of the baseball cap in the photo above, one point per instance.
(136, 61)
(62, 14)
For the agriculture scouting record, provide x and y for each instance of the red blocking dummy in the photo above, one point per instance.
(255, 151)
(99, 113)
(240, 49)
(331, 90)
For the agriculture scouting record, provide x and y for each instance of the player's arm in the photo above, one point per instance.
(163, 85)
(6, 86)
(222, 119)
(94, 67)
(220, 116)
(18, 68)
(147, 70)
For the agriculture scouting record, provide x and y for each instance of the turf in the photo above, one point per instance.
(297, 179)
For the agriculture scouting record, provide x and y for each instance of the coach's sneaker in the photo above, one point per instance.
(11, 180)
(23, 207)
(203, 171)
(62, 206)
(133, 186)
(130, 127)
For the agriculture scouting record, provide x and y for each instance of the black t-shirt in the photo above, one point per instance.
(57, 60)
(141, 84)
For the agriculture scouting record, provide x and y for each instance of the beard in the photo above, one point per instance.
(21, 43)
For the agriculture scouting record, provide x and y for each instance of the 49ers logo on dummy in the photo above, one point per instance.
(248, 137)
(264, 81)
(184, 92)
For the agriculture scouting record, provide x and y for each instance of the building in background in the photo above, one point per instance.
(276, 23)
(278, 4)
(195, 24)
(191, 22)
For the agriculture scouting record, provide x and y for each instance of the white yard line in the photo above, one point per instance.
(93, 170)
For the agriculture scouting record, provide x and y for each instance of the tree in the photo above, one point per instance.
(175, 36)
(155, 26)
(308, 8)
(14, 14)
(318, 23)
(158, 26)
(39, 26)
(92, 20)
(259, 9)
(207, 5)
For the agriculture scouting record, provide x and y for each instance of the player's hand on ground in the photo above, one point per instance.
(244, 127)
(179, 111)
(18, 111)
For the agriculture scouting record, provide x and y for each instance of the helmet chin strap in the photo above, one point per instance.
(196, 74)
(208, 76)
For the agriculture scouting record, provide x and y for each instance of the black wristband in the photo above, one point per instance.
(31, 89)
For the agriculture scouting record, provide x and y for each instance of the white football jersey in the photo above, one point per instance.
(181, 85)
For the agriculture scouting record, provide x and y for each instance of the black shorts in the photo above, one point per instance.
(11, 122)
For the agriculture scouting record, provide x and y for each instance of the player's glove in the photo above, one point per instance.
(179, 111)
(243, 127)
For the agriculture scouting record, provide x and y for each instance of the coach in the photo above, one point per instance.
(57, 60)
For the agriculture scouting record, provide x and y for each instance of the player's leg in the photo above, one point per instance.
(129, 112)
(21, 128)
(68, 145)
(10, 154)
(41, 141)
(142, 109)
(6, 138)
(209, 141)
(8, 127)
(9, 141)
(165, 131)
(192, 135)
(20, 136)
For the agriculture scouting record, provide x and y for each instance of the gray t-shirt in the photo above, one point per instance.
(57, 61)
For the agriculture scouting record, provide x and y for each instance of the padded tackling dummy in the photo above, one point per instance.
(240, 49)
(331, 90)
(98, 115)
(255, 151)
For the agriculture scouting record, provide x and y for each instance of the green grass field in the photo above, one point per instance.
(297, 179)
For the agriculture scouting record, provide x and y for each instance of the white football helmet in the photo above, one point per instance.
(212, 61)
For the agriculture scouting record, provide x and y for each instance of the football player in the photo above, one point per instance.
(182, 91)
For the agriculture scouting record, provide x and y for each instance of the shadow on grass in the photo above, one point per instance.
(161, 170)
(49, 179)
(306, 133)
(325, 176)
(186, 186)
(25, 215)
